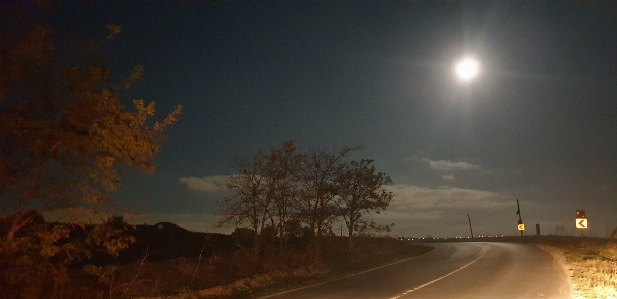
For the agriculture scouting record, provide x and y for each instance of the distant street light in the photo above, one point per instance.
(467, 69)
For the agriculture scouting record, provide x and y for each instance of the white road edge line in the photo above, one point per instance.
(346, 276)
(438, 279)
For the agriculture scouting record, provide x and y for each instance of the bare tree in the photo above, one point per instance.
(317, 207)
(265, 191)
(283, 180)
(360, 191)
(285, 190)
(248, 206)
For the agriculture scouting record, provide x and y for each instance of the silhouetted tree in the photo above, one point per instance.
(265, 192)
(360, 191)
(316, 206)
(249, 206)
(287, 189)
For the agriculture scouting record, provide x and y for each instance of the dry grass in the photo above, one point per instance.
(238, 275)
(592, 268)
(595, 278)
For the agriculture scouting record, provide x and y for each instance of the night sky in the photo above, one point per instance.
(539, 123)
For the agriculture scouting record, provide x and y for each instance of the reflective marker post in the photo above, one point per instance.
(581, 222)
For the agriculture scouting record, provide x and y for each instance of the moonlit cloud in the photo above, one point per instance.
(411, 198)
(443, 211)
(209, 184)
(398, 217)
(444, 165)
(448, 178)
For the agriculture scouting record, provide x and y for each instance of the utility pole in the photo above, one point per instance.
(470, 229)
(518, 211)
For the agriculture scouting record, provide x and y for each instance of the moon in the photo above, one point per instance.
(467, 69)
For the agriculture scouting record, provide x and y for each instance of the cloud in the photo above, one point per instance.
(448, 178)
(412, 198)
(444, 165)
(406, 216)
(442, 211)
(209, 184)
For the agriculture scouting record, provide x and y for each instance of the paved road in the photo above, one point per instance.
(454, 270)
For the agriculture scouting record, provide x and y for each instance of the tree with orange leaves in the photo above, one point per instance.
(63, 134)
(63, 129)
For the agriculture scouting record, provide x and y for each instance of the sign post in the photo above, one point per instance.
(521, 226)
(470, 229)
(581, 222)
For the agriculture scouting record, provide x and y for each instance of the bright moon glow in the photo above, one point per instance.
(467, 69)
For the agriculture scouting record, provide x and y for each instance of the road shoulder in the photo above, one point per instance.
(560, 259)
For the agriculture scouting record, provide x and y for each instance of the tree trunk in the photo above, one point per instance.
(256, 246)
(19, 220)
(15, 226)
(350, 236)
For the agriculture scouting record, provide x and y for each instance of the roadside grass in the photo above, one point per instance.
(592, 267)
(237, 276)
(368, 253)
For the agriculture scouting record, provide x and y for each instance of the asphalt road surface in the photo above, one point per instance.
(454, 270)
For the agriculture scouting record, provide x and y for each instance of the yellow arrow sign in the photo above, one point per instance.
(581, 223)
(521, 226)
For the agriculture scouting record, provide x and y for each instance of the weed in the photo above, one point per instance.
(593, 268)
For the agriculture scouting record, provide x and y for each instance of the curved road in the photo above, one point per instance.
(454, 270)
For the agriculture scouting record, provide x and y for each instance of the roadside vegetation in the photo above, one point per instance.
(591, 266)
(288, 194)
(64, 135)
(166, 261)
(239, 275)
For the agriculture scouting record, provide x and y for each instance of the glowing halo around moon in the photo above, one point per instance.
(467, 69)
